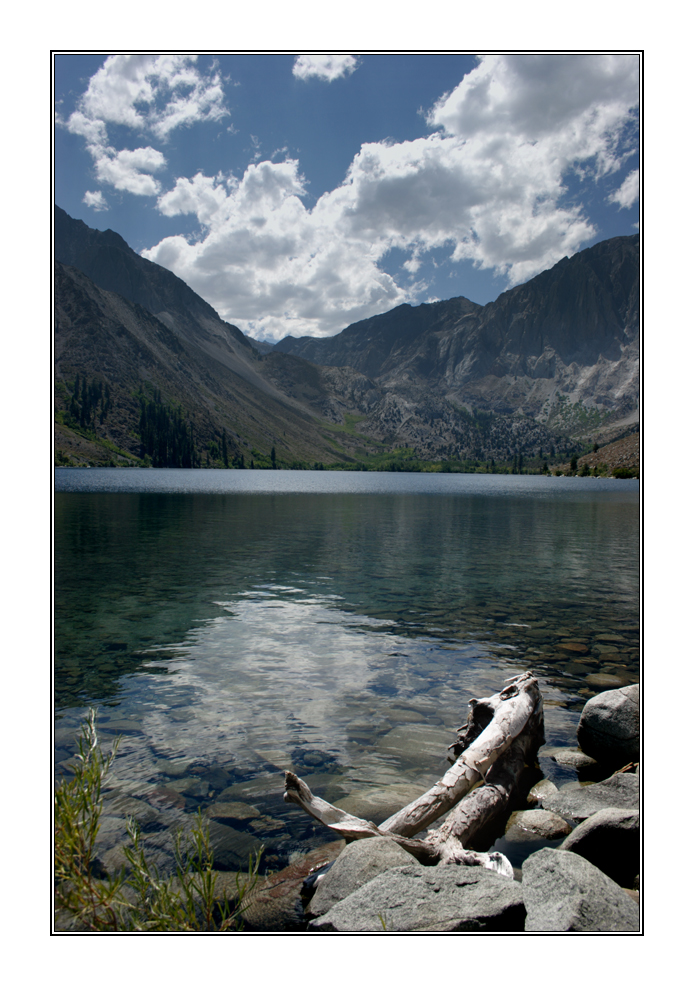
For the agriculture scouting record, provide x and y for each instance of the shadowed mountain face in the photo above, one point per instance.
(554, 360)
(573, 328)
(107, 259)
(129, 324)
(103, 339)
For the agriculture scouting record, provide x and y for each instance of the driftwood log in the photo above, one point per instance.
(502, 734)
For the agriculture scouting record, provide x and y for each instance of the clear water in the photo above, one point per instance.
(233, 624)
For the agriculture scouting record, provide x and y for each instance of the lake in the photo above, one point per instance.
(233, 624)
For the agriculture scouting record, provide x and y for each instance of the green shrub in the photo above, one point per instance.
(143, 900)
(622, 472)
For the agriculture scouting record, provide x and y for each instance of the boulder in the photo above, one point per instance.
(564, 892)
(609, 728)
(429, 898)
(535, 824)
(359, 863)
(618, 791)
(610, 840)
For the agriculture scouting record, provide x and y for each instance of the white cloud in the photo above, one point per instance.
(573, 103)
(628, 191)
(130, 171)
(96, 201)
(269, 263)
(149, 94)
(153, 92)
(326, 67)
(488, 187)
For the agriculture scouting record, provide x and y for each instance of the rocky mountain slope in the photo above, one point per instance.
(144, 366)
(625, 453)
(116, 361)
(562, 349)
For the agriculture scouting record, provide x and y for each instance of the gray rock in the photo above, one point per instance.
(572, 758)
(541, 790)
(429, 898)
(535, 824)
(609, 728)
(231, 848)
(112, 830)
(233, 810)
(192, 786)
(173, 768)
(564, 892)
(609, 840)
(144, 814)
(618, 791)
(603, 679)
(358, 863)
(114, 860)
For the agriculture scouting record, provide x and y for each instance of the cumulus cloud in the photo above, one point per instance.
(266, 261)
(326, 67)
(149, 94)
(574, 104)
(488, 186)
(96, 201)
(628, 191)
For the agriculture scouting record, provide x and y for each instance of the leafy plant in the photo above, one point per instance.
(142, 900)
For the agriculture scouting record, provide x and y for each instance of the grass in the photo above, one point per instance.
(141, 900)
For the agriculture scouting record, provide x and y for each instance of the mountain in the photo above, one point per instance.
(129, 325)
(107, 260)
(568, 336)
(144, 366)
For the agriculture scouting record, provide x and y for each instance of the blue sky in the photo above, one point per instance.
(300, 193)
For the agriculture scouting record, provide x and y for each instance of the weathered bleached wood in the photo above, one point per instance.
(427, 852)
(341, 822)
(487, 802)
(511, 709)
(501, 734)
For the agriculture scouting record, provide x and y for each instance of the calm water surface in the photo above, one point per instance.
(232, 624)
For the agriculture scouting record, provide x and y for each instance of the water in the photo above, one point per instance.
(233, 624)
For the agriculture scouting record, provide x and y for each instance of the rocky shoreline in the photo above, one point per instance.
(587, 882)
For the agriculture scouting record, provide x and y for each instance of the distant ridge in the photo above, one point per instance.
(583, 311)
(543, 370)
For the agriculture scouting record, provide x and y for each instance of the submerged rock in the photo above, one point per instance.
(564, 892)
(275, 902)
(230, 847)
(232, 811)
(377, 803)
(144, 814)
